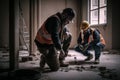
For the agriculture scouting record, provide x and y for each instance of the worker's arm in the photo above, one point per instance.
(96, 37)
(66, 33)
(52, 26)
(79, 40)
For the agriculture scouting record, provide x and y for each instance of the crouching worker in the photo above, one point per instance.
(49, 39)
(90, 39)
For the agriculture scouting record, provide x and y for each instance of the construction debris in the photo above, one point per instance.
(102, 71)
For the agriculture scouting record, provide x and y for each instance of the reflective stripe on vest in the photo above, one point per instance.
(101, 37)
(43, 36)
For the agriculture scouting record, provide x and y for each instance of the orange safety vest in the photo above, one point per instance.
(43, 36)
(101, 37)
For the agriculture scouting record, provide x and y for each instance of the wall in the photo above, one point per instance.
(115, 24)
(25, 10)
(4, 23)
(24, 21)
(4, 19)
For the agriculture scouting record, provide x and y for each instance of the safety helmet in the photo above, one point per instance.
(85, 24)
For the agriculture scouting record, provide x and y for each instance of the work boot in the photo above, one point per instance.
(53, 62)
(96, 61)
(89, 57)
(62, 64)
(42, 62)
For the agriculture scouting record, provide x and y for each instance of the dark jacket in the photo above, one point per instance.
(53, 25)
(87, 33)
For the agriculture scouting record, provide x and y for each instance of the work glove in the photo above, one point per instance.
(85, 47)
(81, 47)
(62, 54)
(66, 35)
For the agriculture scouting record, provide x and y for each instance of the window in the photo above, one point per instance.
(97, 12)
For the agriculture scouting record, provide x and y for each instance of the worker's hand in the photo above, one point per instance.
(81, 47)
(85, 47)
(66, 35)
(62, 53)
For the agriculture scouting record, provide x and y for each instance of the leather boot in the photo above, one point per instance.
(62, 64)
(42, 62)
(97, 61)
(89, 57)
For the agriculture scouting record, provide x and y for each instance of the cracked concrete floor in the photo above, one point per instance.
(107, 69)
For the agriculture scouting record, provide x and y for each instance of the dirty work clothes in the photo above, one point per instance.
(65, 47)
(50, 31)
(49, 56)
(66, 41)
(94, 44)
(96, 47)
(53, 26)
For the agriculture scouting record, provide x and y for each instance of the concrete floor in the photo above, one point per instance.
(107, 69)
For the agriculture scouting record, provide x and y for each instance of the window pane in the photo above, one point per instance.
(102, 15)
(103, 3)
(94, 17)
(94, 4)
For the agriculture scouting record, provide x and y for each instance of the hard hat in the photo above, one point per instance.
(85, 23)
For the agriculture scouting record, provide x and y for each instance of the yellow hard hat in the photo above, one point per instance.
(85, 25)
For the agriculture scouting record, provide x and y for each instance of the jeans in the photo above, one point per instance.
(96, 47)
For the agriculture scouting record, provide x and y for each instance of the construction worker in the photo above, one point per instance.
(90, 38)
(49, 39)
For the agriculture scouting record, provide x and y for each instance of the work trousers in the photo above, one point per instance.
(65, 47)
(96, 47)
(49, 56)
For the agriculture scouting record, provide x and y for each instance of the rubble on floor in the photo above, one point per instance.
(108, 69)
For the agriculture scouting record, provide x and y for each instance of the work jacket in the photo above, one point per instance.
(91, 35)
(49, 33)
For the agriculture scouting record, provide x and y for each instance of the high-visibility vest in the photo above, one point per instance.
(43, 36)
(101, 37)
(91, 37)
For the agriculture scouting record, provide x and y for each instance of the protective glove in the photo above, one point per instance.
(66, 35)
(85, 47)
(80, 47)
(62, 54)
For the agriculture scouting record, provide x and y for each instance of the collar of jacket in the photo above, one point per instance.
(59, 15)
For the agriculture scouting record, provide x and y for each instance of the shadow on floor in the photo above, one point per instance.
(81, 62)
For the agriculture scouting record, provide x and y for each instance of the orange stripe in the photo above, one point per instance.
(102, 39)
(43, 40)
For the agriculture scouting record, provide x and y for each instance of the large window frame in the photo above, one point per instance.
(97, 12)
